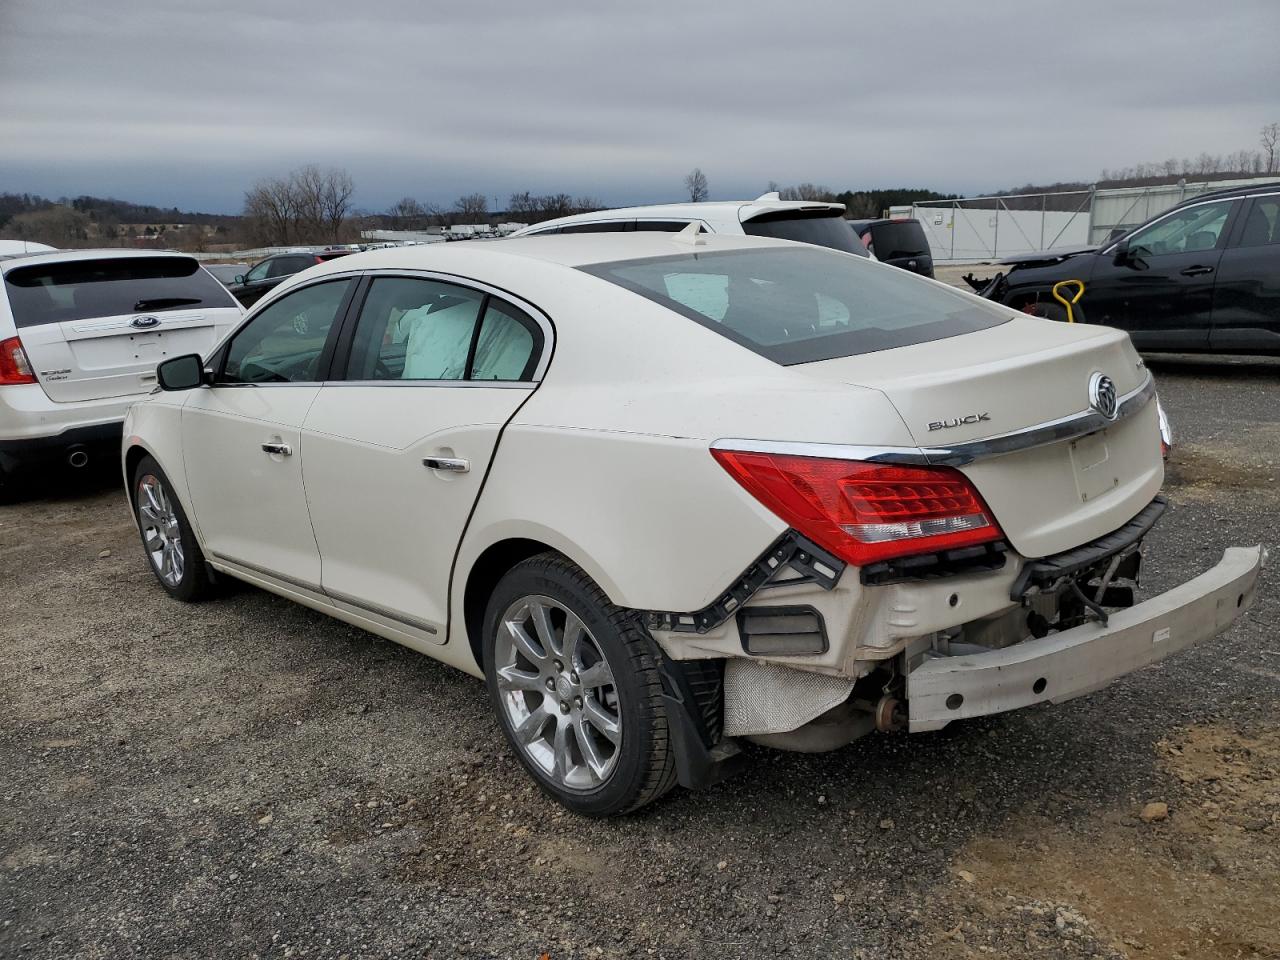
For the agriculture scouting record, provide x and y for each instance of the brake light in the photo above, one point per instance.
(862, 512)
(14, 365)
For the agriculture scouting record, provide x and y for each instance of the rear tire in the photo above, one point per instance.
(167, 538)
(573, 681)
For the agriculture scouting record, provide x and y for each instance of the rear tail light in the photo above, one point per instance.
(14, 365)
(865, 513)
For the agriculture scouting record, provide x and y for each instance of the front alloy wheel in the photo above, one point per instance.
(577, 690)
(167, 538)
(161, 534)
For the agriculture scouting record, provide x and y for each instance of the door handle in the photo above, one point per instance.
(1196, 271)
(275, 446)
(449, 464)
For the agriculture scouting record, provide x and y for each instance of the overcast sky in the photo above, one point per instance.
(187, 103)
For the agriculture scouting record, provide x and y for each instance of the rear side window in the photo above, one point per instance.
(609, 226)
(802, 304)
(413, 329)
(661, 226)
(81, 289)
(826, 228)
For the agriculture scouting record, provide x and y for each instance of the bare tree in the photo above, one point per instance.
(696, 184)
(1270, 140)
(58, 226)
(474, 206)
(309, 205)
(407, 213)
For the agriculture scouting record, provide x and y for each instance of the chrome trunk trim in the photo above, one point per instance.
(957, 455)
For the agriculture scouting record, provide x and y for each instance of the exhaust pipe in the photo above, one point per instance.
(77, 457)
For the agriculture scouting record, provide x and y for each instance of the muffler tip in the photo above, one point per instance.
(78, 458)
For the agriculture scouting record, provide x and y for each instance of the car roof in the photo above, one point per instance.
(1271, 187)
(70, 256)
(740, 210)
(569, 250)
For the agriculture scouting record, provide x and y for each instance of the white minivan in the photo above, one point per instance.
(81, 332)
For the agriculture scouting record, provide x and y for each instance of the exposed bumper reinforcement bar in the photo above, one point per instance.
(1085, 658)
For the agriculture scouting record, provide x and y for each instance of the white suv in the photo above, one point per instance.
(803, 220)
(81, 332)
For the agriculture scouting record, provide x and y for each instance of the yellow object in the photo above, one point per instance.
(1071, 316)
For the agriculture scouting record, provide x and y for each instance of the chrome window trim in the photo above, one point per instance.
(1041, 434)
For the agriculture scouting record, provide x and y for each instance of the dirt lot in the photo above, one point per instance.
(247, 778)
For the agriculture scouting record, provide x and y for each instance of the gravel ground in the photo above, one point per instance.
(246, 778)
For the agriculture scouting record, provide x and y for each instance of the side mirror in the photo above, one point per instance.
(239, 278)
(1122, 254)
(181, 373)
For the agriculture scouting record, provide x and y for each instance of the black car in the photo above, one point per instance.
(1202, 276)
(267, 274)
(899, 243)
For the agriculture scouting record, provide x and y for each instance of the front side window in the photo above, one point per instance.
(802, 304)
(284, 342)
(259, 271)
(1186, 231)
(417, 329)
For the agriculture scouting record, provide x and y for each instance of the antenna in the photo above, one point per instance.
(764, 198)
(690, 235)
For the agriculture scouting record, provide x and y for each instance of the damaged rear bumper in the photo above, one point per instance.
(1085, 658)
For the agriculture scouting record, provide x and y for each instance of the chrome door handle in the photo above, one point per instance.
(449, 464)
(274, 446)
(1196, 271)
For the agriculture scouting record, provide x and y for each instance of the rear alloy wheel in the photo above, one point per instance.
(576, 689)
(167, 538)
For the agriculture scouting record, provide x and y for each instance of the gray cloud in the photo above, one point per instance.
(185, 103)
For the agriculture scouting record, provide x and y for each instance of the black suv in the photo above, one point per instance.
(267, 274)
(899, 243)
(1202, 276)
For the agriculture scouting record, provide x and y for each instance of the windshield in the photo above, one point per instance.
(80, 289)
(825, 228)
(802, 304)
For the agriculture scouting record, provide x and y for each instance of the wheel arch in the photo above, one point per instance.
(493, 562)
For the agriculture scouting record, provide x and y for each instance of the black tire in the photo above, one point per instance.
(643, 764)
(195, 582)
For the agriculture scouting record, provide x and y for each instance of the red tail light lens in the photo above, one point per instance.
(866, 512)
(14, 365)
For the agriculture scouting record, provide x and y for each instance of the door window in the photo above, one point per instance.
(1262, 225)
(1186, 231)
(411, 329)
(506, 346)
(607, 226)
(259, 271)
(284, 343)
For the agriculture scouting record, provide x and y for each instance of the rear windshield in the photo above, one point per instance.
(826, 228)
(801, 304)
(80, 289)
(899, 239)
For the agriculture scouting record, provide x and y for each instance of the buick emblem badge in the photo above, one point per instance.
(144, 323)
(1102, 395)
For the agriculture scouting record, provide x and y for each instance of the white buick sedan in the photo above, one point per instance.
(667, 492)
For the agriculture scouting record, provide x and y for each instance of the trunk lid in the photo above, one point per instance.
(96, 327)
(1017, 375)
